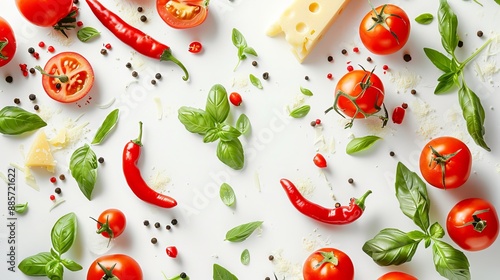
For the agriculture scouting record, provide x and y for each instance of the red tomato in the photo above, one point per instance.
(126, 268)
(171, 251)
(195, 47)
(111, 223)
(235, 98)
(450, 153)
(396, 276)
(182, 13)
(7, 42)
(328, 263)
(319, 160)
(385, 30)
(44, 13)
(75, 67)
(473, 224)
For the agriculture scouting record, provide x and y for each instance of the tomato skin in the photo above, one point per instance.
(398, 115)
(376, 38)
(44, 13)
(457, 168)
(71, 91)
(126, 267)
(343, 270)
(6, 37)
(466, 236)
(395, 275)
(195, 12)
(195, 47)
(320, 161)
(116, 222)
(235, 99)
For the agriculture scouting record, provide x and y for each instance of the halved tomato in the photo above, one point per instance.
(68, 77)
(183, 13)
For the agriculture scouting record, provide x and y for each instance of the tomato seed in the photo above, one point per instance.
(53, 179)
(31, 50)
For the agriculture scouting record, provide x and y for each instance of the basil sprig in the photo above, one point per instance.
(51, 264)
(243, 48)
(360, 144)
(83, 167)
(220, 273)
(242, 232)
(106, 126)
(211, 124)
(453, 75)
(15, 121)
(394, 247)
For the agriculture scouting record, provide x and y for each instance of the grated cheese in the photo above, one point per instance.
(404, 80)
(285, 268)
(158, 181)
(159, 107)
(305, 187)
(427, 120)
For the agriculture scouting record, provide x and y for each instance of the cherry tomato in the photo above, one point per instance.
(328, 263)
(111, 223)
(398, 115)
(195, 47)
(44, 13)
(445, 162)
(235, 98)
(7, 42)
(182, 13)
(396, 276)
(473, 224)
(76, 68)
(125, 268)
(319, 160)
(385, 30)
(171, 251)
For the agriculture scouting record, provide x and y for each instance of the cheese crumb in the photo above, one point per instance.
(305, 187)
(427, 120)
(159, 107)
(404, 80)
(285, 268)
(158, 181)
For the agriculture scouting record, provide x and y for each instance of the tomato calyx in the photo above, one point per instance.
(68, 22)
(441, 160)
(381, 18)
(2, 45)
(104, 227)
(478, 223)
(62, 78)
(328, 257)
(108, 273)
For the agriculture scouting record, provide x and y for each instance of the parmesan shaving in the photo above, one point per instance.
(305, 187)
(57, 203)
(159, 181)
(28, 177)
(404, 80)
(257, 180)
(428, 124)
(107, 104)
(297, 102)
(4, 178)
(159, 107)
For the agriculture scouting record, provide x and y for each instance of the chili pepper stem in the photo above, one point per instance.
(138, 140)
(62, 78)
(168, 56)
(361, 201)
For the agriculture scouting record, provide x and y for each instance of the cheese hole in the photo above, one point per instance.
(301, 27)
(314, 7)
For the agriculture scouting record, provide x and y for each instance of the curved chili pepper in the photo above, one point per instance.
(131, 154)
(336, 216)
(133, 37)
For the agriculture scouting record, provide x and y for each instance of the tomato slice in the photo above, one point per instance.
(182, 14)
(80, 77)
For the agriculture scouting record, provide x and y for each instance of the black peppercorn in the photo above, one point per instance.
(36, 107)
(183, 275)
(391, 153)
(134, 74)
(157, 225)
(306, 78)
(407, 57)
(168, 227)
(57, 190)
(254, 63)
(271, 257)
(460, 44)
(32, 97)
(153, 82)
(9, 79)
(174, 222)
(17, 100)
(265, 76)
(31, 50)
(158, 76)
(350, 180)
(104, 52)
(369, 59)
(337, 205)
(101, 160)
(480, 33)
(313, 123)
(128, 65)
(413, 92)
(146, 223)
(330, 58)
(344, 51)
(62, 177)
(154, 240)
(139, 9)
(75, 2)
(404, 105)
(267, 278)
(144, 18)
(32, 70)
(58, 86)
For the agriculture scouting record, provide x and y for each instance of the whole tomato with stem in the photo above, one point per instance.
(473, 224)
(359, 94)
(445, 162)
(7, 42)
(119, 266)
(182, 14)
(45, 13)
(396, 275)
(385, 29)
(328, 263)
(111, 223)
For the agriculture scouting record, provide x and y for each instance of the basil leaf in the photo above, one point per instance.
(441, 61)
(71, 265)
(220, 273)
(425, 18)
(54, 270)
(217, 104)
(211, 135)
(15, 121)
(445, 83)
(250, 51)
(63, 233)
(228, 133)
(300, 112)
(411, 192)
(108, 124)
(83, 167)
(243, 124)
(227, 195)
(231, 153)
(448, 24)
(87, 33)
(306, 92)
(360, 144)
(436, 230)
(256, 82)
(35, 265)
(21, 208)
(245, 257)
(473, 113)
(391, 247)
(498, 2)
(416, 235)
(241, 54)
(238, 39)
(195, 120)
(242, 232)
(450, 262)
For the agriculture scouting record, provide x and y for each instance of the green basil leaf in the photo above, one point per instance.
(256, 82)
(217, 103)
(63, 233)
(411, 192)
(195, 120)
(211, 135)
(445, 83)
(391, 247)
(35, 265)
(243, 124)
(242, 232)
(245, 257)
(450, 262)
(83, 167)
(473, 113)
(15, 121)
(306, 91)
(360, 144)
(241, 54)
(238, 39)
(71, 265)
(416, 235)
(231, 153)
(498, 2)
(250, 51)
(107, 125)
(220, 273)
(441, 61)
(425, 18)
(227, 195)
(300, 112)
(228, 133)
(87, 33)
(54, 270)
(448, 23)
(21, 208)
(436, 230)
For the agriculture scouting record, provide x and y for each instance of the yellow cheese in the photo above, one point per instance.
(304, 22)
(60, 139)
(40, 154)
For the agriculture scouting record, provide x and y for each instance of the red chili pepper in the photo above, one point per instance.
(131, 154)
(195, 47)
(336, 216)
(133, 37)
(398, 115)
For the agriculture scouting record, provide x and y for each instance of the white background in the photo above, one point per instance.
(278, 147)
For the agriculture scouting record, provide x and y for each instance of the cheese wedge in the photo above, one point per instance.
(304, 22)
(40, 154)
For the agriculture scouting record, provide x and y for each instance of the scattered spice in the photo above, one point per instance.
(31, 50)
(154, 240)
(140, 9)
(337, 205)
(404, 105)
(51, 49)
(174, 222)
(52, 197)
(58, 85)
(41, 44)
(158, 76)
(36, 55)
(350, 68)
(146, 223)
(407, 57)
(385, 67)
(134, 74)
(168, 227)
(104, 52)
(75, 1)
(157, 225)
(344, 51)
(460, 44)
(265, 76)
(330, 58)
(329, 76)
(36, 107)
(144, 18)
(254, 63)
(317, 121)
(17, 101)
(271, 257)
(183, 275)
(480, 34)
(53, 179)
(58, 190)
(108, 46)
(101, 160)
(413, 92)
(32, 70)
(267, 278)
(355, 49)
(153, 82)
(128, 65)
(369, 59)
(9, 79)
(391, 153)
(62, 177)
(306, 78)
(79, 23)
(350, 181)
(313, 123)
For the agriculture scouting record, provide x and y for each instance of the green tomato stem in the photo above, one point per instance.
(62, 78)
